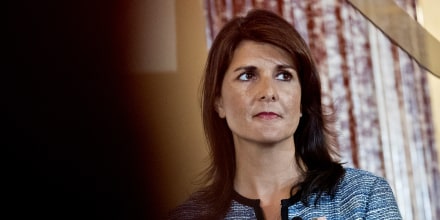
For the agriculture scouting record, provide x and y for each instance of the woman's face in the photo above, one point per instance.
(261, 94)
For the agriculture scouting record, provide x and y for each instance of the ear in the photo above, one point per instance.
(219, 107)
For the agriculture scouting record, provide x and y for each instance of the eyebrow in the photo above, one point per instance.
(253, 68)
(246, 68)
(285, 66)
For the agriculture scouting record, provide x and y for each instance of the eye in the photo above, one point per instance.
(246, 76)
(284, 76)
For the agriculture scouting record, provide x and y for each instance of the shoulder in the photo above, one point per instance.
(192, 208)
(369, 192)
(361, 182)
(357, 175)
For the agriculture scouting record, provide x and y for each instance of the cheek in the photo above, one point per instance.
(234, 105)
(293, 100)
(234, 101)
(295, 111)
(294, 107)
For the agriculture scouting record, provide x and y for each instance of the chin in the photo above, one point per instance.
(274, 140)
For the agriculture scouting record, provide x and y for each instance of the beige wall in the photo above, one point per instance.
(431, 21)
(170, 107)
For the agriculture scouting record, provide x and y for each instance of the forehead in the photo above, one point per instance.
(257, 52)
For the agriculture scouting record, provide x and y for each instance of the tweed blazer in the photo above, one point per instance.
(359, 195)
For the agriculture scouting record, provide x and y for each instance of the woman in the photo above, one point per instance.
(271, 148)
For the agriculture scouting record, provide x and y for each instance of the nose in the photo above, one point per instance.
(266, 90)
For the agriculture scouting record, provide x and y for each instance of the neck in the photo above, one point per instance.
(266, 172)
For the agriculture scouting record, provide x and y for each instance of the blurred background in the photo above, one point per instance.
(102, 116)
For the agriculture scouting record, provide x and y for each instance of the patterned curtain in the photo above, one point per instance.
(379, 94)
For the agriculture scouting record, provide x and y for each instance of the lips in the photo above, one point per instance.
(267, 115)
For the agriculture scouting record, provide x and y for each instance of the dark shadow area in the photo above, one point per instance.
(69, 131)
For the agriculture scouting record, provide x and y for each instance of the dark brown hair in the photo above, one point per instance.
(321, 173)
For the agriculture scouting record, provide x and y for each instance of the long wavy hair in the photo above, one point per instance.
(314, 151)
